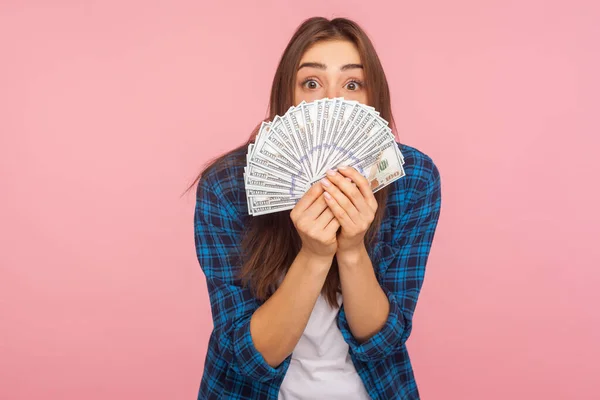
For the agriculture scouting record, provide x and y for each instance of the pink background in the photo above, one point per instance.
(109, 109)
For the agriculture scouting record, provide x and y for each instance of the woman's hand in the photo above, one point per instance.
(349, 196)
(315, 224)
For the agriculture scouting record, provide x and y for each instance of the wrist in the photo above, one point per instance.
(314, 259)
(351, 256)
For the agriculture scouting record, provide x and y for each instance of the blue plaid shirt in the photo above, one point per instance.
(234, 369)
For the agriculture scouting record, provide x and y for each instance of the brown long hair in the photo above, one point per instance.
(271, 241)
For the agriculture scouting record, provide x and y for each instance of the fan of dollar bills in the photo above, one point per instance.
(295, 150)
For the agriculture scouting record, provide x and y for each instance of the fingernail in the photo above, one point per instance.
(325, 182)
(330, 172)
(343, 167)
(348, 179)
(327, 196)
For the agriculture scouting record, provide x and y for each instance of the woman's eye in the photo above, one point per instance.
(353, 85)
(311, 84)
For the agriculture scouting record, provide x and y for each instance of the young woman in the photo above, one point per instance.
(316, 302)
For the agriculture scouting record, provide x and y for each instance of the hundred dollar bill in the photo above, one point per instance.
(259, 206)
(374, 154)
(263, 198)
(279, 185)
(360, 139)
(309, 113)
(348, 113)
(341, 128)
(343, 144)
(258, 186)
(269, 209)
(382, 168)
(296, 120)
(358, 134)
(374, 142)
(258, 172)
(280, 134)
(294, 133)
(337, 104)
(323, 128)
(272, 147)
(267, 161)
(264, 193)
(385, 170)
(319, 105)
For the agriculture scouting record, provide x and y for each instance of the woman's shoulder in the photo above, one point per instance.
(419, 167)
(224, 179)
(222, 169)
(421, 173)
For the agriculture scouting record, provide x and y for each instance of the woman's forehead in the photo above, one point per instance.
(332, 53)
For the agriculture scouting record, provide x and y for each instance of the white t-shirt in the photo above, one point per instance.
(321, 367)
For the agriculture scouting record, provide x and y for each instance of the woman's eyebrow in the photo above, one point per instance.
(324, 67)
(350, 66)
